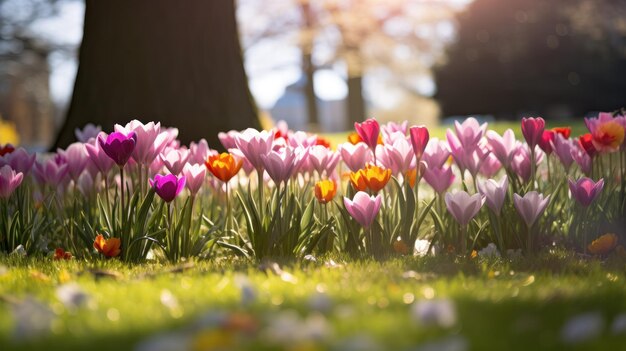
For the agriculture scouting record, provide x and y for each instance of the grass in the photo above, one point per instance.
(500, 304)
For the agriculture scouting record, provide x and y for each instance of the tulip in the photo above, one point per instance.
(228, 139)
(282, 164)
(520, 161)
(224, 166)
(60, 254)
(89, 131)
(363, 208)
(586, 143)
(608, 136)
(564, 131)
(322, 141)
(391, 130)
(174, 159)
(503, 146)
(19, 159)
(76, 157)
(302, 139)
(375, 177)
(532, 129)
(369, 132)
(50, 172)
(464, 206)
(86, 184)
(98, 157)
(325, 191)
(585, 190)
(546, 141)
(439, 179)
(6, 149)
(469, 132)
(108, 247)
(583, 159)
(494, 192)
(603, 245)
(194, 177)
(9, 181)
(419, 140)
(118, 146)
(322, 159)
(357, 179)
(563, 149)
(199, 152)
(253, 145)
(355, 156)
(398, 156)
(436, 153)
(490, 166)
(167, 186)
(150, 140)
(531, 206)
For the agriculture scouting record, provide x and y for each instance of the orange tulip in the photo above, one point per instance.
(608, 136)
(108, 247)
(357, 180)
(325, 191)
(411, 177)
(322, 141)
(224, 166)
(354, 139)
(60, 254)
(375, 177)
(564, 131)
(603, 245)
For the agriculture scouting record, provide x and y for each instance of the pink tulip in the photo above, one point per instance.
(532, 129)
(301, 139)
(391, 130)
(490, 166)
(439, 179)
(531, 206)
(355, 156)
(368, 131)
(228, 139)
(150, 140)
(391, 137)
(194, 175)
(464, 206)
(156, 167)
(282, 164)
(582, 158)
(520, 161)
(76, 157)
(494, 192)
(253, 145)
(98, 157)
(322, 159)
(19, 160)
(50, 172)
(87, 184)
(363, 208)
(585, 190)
(419, 140)
(503, 146)
(174, 159)
(563, 148)
(199, 152)
(399, 156)
(469, 132)
(9, 181)
(467, 158)
(89, 131)
(436, 153)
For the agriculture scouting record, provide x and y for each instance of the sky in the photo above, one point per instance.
(267, 85)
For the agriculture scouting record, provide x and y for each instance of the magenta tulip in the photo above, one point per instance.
(194, 177)
(464, 206)
(355, 156)
(419, 140)
(363, 208)
(118, 146)
(167, 186)
(98, 157)
(439, 179)
(9, 181)
(150, 140)
(585, 190)
(531, 206)
(368, 131)
(494, 192)
(532, 129)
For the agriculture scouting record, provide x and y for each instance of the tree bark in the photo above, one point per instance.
(356, 103)
(308, 67)
(177, 62)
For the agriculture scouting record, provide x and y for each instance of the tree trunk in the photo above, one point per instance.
(177, 62)
(308, 68)
(356, 103)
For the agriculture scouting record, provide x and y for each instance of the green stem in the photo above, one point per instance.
(123, 204)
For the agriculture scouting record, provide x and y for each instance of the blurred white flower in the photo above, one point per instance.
(619, 324)
(71, 295)
(582, 327)
(440, 312)
(31, 318)
(489, 251)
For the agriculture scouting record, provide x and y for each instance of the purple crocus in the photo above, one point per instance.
(438, 178)
(469, 132)
(494, 192)
(563, 148)
(20, 160)
(585, 190)
(98, 157)
(9, 181)
(363, 208)
(436, 153)
(76, 157)
(464, 206)
(503, 146)
(167, 186)
(119, 146)
(530, 206)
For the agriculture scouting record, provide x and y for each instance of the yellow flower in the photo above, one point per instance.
(603, 245)
(608, 136)
(325, 191)
(358, 181)
(375, 177)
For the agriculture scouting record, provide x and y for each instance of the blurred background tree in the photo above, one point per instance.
(175, 62)
(555, 58)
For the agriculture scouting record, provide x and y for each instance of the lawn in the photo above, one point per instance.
(555, 301)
